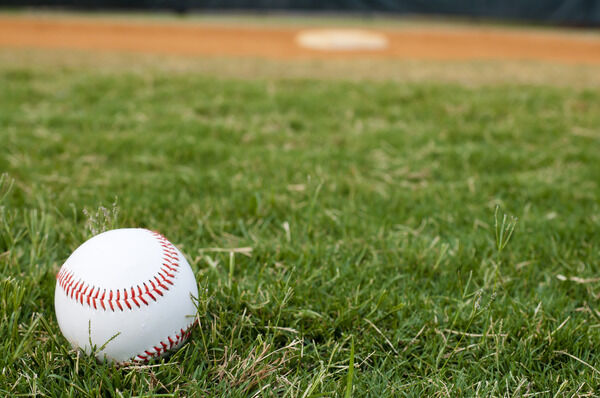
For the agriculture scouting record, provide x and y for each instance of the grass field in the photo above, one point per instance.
(379, 218)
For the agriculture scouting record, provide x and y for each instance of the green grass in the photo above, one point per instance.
(380, 265)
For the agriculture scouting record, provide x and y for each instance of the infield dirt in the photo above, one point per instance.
(278, 42)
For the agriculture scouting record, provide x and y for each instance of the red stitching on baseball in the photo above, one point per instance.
(73, 291)
(125, 299)
(170, 257)
(74, 288)
(88, 297)
(66, 278)
(167, 344)
(118, 300)
(142, 295)
(102, 299)
(110, 300)
(167, 273)
(96, 297)
(170, 268)
(148, 292)
(83, 294)
(160, 283)
(170, 261)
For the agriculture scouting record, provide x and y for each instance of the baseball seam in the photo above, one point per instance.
(124, 298)
(170, 343)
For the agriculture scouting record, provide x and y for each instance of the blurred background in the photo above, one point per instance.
(438, 30)
(570, 12)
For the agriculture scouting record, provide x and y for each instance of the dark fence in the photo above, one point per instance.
(573, 12)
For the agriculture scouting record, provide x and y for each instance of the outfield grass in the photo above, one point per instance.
(469, 73)
(370, 210)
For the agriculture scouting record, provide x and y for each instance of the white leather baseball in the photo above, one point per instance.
(129, 290)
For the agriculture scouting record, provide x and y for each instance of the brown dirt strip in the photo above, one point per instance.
(279, 43)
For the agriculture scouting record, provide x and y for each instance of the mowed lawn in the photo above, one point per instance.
(367, 221)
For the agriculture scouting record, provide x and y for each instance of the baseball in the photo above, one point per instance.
(126, 295)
